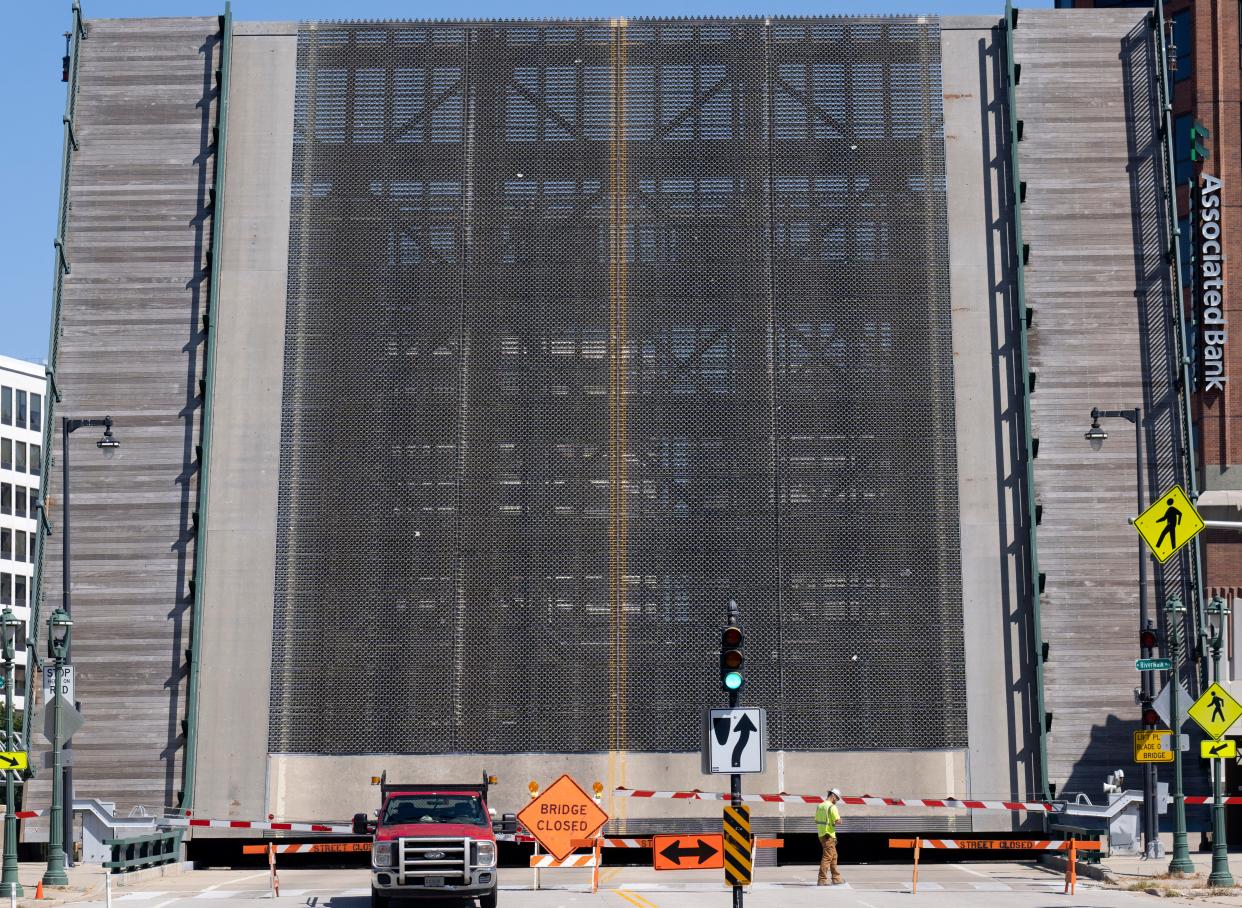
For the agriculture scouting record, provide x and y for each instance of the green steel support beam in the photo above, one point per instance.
(52, 393)
(213, 302)
(1015, 180)
(1177, 313)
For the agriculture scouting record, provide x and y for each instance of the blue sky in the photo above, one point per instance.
(33, 101)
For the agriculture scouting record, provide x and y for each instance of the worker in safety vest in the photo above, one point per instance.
(827, 816)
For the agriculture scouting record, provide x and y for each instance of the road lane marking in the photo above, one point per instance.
(141, 896)
(635, 899)
(965, 869)
(991, 887)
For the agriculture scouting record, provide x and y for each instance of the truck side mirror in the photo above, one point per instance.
(508, 823)
(360, 824)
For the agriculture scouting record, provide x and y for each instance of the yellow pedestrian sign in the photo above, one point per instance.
(1152, 746)
(14, 759)
(1169, 524)
(1215, 711)
(1218, 750)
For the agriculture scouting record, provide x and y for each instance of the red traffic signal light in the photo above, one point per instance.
(731, 659)
(1148, 639)
(1151, 717)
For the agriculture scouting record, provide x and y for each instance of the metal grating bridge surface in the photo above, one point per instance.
(593, 326)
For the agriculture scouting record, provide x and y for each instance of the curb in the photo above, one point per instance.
(1091, 871)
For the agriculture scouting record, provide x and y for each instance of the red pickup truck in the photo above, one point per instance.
(433, 841)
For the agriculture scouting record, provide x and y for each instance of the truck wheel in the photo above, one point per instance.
(378, 900)
(489, 900)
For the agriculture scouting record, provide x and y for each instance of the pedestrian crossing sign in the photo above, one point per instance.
(1169, 524)
(1215, 711)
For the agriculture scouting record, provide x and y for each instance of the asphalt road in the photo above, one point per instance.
(868, 886)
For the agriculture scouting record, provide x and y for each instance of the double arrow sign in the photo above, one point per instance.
(688, 852)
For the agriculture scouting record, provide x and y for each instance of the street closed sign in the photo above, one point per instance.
(563, 813)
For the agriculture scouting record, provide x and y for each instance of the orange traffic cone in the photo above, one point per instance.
(39, 890)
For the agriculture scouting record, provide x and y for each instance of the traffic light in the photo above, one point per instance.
(1151, 718)
(1148, 639)
(731, 679)
(1198, 135)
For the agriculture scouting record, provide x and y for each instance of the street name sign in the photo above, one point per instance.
(561, 814)
(1153, 746)
(1169, 524)
(735, 741)
(688, 852)
(1153, 665)
(1215, 711)
(1218, 750)
(14, 760)
(66, 683)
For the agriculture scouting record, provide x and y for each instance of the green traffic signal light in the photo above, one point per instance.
(731, 659)
(732, 680)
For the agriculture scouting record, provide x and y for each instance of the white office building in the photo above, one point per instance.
(22, 414)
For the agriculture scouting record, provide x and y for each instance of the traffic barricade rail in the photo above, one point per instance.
(1072, 846)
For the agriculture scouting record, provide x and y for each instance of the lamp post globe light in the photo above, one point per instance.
(108, 445)
(59, 627)
(10, 886)
(1096, 436)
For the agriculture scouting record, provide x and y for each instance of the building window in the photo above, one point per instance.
(6, 589)
(6, 498)
(19, 503)
(19, 460)
(1184, 39)
(21, 545)
(6, 454)
(1183, 172)
(21, 408)
(6, 406)
(36, 412)
(1183, 240)
(6, 543)
(19, 590)
(36, 460)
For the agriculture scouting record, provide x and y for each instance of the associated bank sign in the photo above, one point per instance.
(1212, 285)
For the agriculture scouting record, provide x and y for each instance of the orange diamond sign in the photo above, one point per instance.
(563, 812)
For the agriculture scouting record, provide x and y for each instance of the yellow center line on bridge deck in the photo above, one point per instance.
(634, 898)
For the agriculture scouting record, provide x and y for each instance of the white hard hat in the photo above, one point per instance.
(834, 791)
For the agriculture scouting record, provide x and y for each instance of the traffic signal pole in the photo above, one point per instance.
(735, 779)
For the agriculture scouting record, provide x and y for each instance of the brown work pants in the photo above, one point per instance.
(828, 863)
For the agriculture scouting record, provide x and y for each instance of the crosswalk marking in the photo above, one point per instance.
(140, 896)
(991, 887)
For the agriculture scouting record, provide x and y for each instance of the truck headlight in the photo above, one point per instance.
(381, 854)
(487, 854)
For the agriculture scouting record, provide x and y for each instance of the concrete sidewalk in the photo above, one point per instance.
(86, 883)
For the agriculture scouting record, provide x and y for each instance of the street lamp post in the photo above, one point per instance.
(1220, 875)
(1147, 693)
(1181, 862)
(59, 625)
(108, 445)
(10, 885)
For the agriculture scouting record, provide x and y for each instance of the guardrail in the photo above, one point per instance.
(144, 851)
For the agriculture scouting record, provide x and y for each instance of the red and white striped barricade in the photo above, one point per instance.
(1071, 846)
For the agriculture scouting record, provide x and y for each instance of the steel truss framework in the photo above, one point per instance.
(593, 326)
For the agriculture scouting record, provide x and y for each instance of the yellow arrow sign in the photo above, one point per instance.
(1218, 750)
(14, 759)
(1215, 711)
(1169, 524)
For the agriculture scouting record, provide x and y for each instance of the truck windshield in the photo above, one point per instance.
(435, 809)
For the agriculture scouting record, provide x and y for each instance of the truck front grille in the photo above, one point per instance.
(422, 858)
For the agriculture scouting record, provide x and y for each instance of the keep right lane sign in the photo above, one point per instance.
(735, 741)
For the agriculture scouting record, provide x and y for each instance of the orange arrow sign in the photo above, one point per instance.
(688, 852)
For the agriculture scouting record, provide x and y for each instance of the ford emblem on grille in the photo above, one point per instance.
(435, 855)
